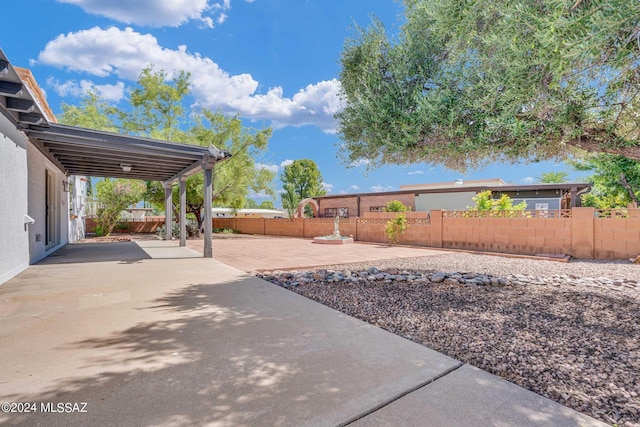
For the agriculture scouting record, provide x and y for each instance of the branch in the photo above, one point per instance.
(593, 145)
(216, 195)
(627, 186)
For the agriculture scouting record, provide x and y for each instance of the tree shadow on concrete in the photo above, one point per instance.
(218, 354)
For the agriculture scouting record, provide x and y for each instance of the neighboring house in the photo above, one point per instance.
(248, 213)
(457, 195)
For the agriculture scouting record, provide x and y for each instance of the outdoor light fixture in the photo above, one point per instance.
(126, 168)
(65, 186)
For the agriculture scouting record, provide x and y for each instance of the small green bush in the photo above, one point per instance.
(224, 231)
(395, 206)
(395, 227)
(99, 231)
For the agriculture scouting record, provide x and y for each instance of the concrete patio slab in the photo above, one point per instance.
(129, 339)
(471, 397)
(259, 253)
(191, 342)
(167, 249)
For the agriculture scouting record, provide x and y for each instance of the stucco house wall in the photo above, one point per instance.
(14, 237)
(38, 165)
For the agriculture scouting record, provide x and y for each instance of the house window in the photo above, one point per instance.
(377, 209)
(333, 212)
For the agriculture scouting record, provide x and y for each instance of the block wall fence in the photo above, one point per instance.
(580, 232)
(150, 225)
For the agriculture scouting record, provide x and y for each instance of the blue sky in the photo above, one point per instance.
(275, 62)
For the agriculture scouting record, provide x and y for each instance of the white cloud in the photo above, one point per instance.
(156, 13)
(327, 187)
(270, 168)
(73, 88)
(354, 188)
(360, 162)
(274, 168)
(529, 180)
(124, 53)
(416, 173)
(381, 188)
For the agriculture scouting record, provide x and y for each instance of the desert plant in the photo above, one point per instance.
(395, 227)
(113, 196)
(395, 206)
(502, 207)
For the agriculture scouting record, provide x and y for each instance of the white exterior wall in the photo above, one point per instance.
(38, 165)
(14, 237)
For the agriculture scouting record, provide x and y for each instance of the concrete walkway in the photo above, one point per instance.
(191, 341)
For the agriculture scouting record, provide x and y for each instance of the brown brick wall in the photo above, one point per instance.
(366, 202)
(350, 203)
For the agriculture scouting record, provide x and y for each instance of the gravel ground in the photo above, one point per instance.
(573, 343)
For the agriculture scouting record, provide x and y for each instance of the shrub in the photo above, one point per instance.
(504, 205)
(395, 206)
(113, 196)
(395, 227)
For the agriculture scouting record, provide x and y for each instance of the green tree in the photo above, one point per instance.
(553, 177)
(290, 200)
(157, 106)
(157, 111)
(395, 206)
(92, 113)
(250, 203)
(233, 179)
(113, 196)
(616, 180)
(306, 180)
(267, 204)
(466, 83)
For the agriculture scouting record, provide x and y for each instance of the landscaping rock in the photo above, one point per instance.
(438, 277)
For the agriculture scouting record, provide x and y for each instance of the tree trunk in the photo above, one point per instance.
(627, 186)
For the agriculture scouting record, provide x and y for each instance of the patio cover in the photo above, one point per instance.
(87, 152)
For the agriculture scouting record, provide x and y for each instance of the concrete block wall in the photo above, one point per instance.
(617, 238)
(583, 235)
(282, 227)
(317, 227)
(526, 236)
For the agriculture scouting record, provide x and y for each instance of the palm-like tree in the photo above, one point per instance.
(553, 177)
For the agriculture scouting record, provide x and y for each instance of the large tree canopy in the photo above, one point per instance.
(156, 110)
(468, 82)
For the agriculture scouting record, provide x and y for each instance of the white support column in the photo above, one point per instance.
(183, 211)
(168, 212)
(208, 214)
